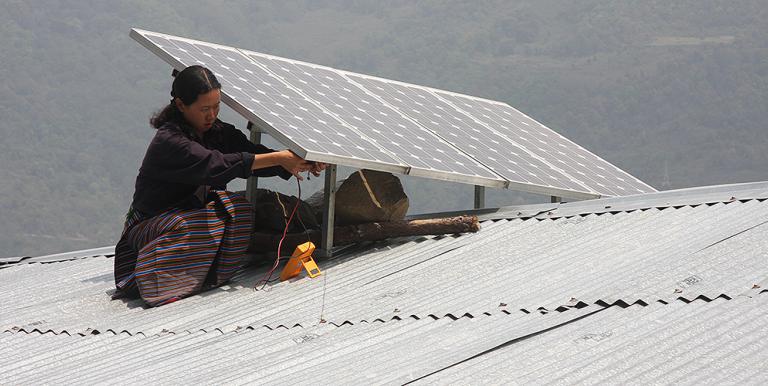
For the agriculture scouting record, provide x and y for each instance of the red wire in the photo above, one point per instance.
(268, 275)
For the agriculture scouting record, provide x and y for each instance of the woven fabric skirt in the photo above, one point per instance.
(175, 254)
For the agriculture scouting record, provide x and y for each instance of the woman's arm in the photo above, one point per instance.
(268, 162)
(173, 157)
(235, 141)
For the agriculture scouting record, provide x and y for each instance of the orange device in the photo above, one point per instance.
(302, 257)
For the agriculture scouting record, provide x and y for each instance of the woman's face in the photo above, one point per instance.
(203, 112)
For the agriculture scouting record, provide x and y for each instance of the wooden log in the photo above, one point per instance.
(375, 231)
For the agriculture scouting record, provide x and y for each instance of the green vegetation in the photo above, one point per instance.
(673, 92)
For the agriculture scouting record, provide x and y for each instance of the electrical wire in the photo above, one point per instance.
(268, 275)
(298, 215)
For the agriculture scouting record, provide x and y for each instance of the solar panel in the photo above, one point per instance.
(597, 174)
(282, 112)
(329, 115)
(505, 157)
(426, 153)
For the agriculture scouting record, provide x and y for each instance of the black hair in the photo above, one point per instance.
(188, 85)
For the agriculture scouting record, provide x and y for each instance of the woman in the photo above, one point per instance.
(184, 232)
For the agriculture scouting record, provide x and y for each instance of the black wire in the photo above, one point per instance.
(268, 277)
(298, 214)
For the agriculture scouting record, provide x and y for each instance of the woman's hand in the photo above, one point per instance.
(317, 167)
(289, 161)
(296, 165)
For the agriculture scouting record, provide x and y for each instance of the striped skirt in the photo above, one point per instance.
(179, 252)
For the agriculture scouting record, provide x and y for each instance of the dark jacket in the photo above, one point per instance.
(178, 162)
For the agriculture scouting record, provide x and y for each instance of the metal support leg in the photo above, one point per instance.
(329, 206)
(253, 182)
(555, 199)
(479, 197)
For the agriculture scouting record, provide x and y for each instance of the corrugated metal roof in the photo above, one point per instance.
(537, 259)
(103, 251)
(720, 342)
(695, 343)
(320, 354)
(525, 264)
